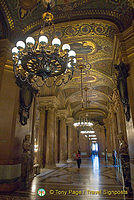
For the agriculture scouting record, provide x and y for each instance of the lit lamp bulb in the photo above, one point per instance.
(15, 51)
(43, 40)
(69, 65)
(56, 42)
(20, 45)
(19, 62)
(30, 41)
(74, 60)
(66, 47)
(71, 53)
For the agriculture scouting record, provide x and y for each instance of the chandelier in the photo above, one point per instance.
(88, 132)
(83, 119)
(43, 60)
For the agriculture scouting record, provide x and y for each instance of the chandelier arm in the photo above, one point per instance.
(65, 82)
(14, 69)
(58, 85)
(49, 85)
(20, 77)
(40, 85)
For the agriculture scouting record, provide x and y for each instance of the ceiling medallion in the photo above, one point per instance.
(37, 61)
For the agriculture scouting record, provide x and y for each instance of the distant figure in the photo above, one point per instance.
(78, 158)
(114, 162)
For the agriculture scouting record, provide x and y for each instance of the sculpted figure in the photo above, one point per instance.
(26, 163)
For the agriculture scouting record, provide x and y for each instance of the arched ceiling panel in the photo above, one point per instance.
(26, 15)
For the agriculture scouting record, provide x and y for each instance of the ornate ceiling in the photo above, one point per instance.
(93, 42)
(89, 27)
(23, 16)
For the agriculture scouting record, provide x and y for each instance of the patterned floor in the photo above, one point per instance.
(93, 181)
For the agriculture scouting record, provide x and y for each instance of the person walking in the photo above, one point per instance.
(78, 158)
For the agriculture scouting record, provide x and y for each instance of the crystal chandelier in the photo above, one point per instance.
(88, 132)
(83, 119)
(43, 60)
(83, 123)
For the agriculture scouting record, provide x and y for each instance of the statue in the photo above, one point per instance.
(26, 164)
(125, 162)
(122, 69)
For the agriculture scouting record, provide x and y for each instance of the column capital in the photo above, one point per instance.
(48, 102)
(116, 99)
(62, 113)
(70, 120)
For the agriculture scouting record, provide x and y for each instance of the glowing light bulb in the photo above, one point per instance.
(20, 45)
(43, 39)
(56, 42)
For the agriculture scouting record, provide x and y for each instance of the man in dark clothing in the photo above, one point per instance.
(78, 158)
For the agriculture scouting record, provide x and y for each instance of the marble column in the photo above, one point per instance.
(41, 135)
(50, 151)
(70, 139)
(108, 136)
(75, 140)
(57, 141)
(50, 103)
(62, 114)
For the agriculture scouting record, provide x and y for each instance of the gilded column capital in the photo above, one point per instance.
(62, 114)
(41, 108)
(116, 100)
(48, 102)
(106, 121)
(70, 121)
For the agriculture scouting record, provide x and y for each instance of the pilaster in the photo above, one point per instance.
(62, 114)
(70, 138)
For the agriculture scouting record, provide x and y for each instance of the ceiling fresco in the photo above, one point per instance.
(26, 15)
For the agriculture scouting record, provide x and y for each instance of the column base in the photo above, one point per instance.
(61, 164)
(50, 166)
(10, 186)
(69, 160)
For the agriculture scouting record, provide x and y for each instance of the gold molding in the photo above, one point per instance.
(8, 15)
(111, 13)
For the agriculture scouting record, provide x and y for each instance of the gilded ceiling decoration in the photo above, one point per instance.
(26, 14)
(93, 50)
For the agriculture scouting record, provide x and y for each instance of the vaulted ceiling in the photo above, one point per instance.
(89, 27)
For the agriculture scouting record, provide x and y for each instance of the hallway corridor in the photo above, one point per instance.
(95, 180)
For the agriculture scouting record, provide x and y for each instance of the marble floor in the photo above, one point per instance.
(95, 180)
